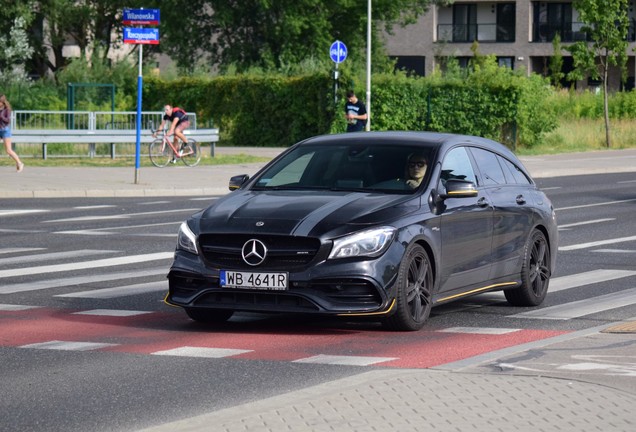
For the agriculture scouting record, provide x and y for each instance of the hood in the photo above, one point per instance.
(302, 213)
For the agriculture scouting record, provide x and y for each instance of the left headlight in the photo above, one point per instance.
(187, 241)
(369, 243)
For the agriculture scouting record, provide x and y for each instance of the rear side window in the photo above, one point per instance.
(488, 165)
(513, 173)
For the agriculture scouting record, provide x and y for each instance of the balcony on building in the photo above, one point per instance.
(481, 22)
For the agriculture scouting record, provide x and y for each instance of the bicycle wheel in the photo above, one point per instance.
(191, 153)
(160, 153)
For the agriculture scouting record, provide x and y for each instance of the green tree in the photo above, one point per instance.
(272, 34)
(606, 25)
(14, 52)
(94, 25)
(556, 62)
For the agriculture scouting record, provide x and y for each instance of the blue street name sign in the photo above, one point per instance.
(338, 52)
(146, 36)
(141, 17)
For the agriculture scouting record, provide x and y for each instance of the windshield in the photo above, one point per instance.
(356, 167)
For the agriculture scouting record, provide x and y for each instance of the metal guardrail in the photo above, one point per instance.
(104, 136)
(87, 120)
(92, 127)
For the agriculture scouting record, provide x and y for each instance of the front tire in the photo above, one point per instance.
(535, 273)
(414, 291)
(160, 153)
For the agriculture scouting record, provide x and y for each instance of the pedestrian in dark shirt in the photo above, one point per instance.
(355, 113)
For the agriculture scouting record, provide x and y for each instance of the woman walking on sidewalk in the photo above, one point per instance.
(5, 131)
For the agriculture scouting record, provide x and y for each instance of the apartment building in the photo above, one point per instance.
(519, 33)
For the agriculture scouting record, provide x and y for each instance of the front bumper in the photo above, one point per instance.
(333, 287)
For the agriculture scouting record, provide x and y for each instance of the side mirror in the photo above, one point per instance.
(459, 189)
(237, 181)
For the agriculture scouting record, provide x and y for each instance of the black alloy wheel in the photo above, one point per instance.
(414, 291)
(535, 273)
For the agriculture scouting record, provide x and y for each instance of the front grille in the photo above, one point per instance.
(283, 252)
(257, 301)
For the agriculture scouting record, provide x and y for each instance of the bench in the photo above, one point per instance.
(112, 136)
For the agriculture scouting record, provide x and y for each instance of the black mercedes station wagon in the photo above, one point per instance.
(381, 225)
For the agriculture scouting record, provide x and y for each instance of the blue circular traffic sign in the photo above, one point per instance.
(338, 52)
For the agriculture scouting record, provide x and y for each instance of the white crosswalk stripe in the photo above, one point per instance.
(344, 360)
(120, 286)
(581, 308)
(68, 346)
(79, 280)
(110, 262)
(53, 256)
(204, 352)
(123, 291)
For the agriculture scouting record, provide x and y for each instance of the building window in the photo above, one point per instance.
(506, 15)
(464, 22)
(551, 19)
(412, 65)
(508, 62)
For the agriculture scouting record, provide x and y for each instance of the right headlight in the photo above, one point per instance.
(187, 241)
(369, 243)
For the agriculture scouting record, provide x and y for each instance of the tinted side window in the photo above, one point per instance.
(457, 166)
(513, 173)
(489, 167)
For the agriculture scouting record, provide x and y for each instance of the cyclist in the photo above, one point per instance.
(178, 120)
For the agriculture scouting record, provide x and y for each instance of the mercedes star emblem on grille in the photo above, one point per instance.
(254, 252)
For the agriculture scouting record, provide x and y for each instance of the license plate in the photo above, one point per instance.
(254, 280)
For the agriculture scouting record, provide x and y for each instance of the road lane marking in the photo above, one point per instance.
(20, 212)
(479, 330)
(344, 360)
(566, 282)
(115, 230)
(587, 278)
(112, 312)
(122, 291)
(54, 255)
(94, 207)
(122, 216)
(188, 351)
(68, 346)
(79, 280)
(15, 308)
(580, 308)
(595, 205)
(586, 223)
(19, 250)
(108, 262)
(596, 243)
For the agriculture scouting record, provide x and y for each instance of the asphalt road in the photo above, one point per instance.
(92, 271)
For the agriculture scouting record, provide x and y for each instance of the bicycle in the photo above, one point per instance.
(162, 151)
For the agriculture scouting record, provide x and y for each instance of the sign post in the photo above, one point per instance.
(141, 37)
(338, 54)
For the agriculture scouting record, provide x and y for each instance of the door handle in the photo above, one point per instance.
(521, 199)
(482, 202)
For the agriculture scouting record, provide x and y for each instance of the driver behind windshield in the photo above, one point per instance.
(415, 169)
